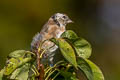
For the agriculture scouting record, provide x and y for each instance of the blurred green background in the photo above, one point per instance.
(98, 21)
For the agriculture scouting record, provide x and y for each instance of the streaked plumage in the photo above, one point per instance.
(53, 28)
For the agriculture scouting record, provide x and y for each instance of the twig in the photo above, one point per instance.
(40, 67)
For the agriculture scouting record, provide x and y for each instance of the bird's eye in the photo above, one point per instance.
(64, 17)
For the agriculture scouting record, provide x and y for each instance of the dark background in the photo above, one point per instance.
(98, 21)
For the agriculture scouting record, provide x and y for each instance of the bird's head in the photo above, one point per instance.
(61, 19)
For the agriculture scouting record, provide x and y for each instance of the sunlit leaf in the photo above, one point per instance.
(11, 65)
(86, 69)
(17, 53)
(21, 73)
(17, 59)
(69, 34)
(97, 74)
(20, 54)
(82, 47)
(67, 51)
(1, 74)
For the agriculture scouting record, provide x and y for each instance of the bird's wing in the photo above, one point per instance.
(36, 40)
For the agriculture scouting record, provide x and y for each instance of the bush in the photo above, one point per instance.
(75, 51)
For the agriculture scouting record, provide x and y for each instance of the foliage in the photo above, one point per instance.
(21, 64)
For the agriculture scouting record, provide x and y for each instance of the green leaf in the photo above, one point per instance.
(91, 71)
(1, 74)
(67, 51)
(17, 54)
(97, 74)
(21, 54)
(12, 64)
(21, 73)
(86, 69)
(17, 59)
(54, 40)
(68, 75)
(82, 48)
(69, 34)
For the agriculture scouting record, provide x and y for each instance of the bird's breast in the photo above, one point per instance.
(53, 31)
(59, 32)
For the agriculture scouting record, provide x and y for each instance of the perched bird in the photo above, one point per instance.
(55, 26)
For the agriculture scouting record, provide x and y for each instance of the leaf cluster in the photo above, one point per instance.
(75, 51)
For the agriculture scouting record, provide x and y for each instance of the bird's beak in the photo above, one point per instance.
(69, 21)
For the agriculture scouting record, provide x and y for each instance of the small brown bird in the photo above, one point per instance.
(55, 26)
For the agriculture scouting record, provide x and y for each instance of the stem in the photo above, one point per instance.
(55, 75)
(40, 67)
(50, 74)
(38, 61)
(41, 72)
(36, 71)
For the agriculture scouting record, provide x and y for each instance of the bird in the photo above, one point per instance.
(55, 26)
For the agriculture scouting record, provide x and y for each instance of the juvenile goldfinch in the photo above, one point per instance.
(55, 26)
